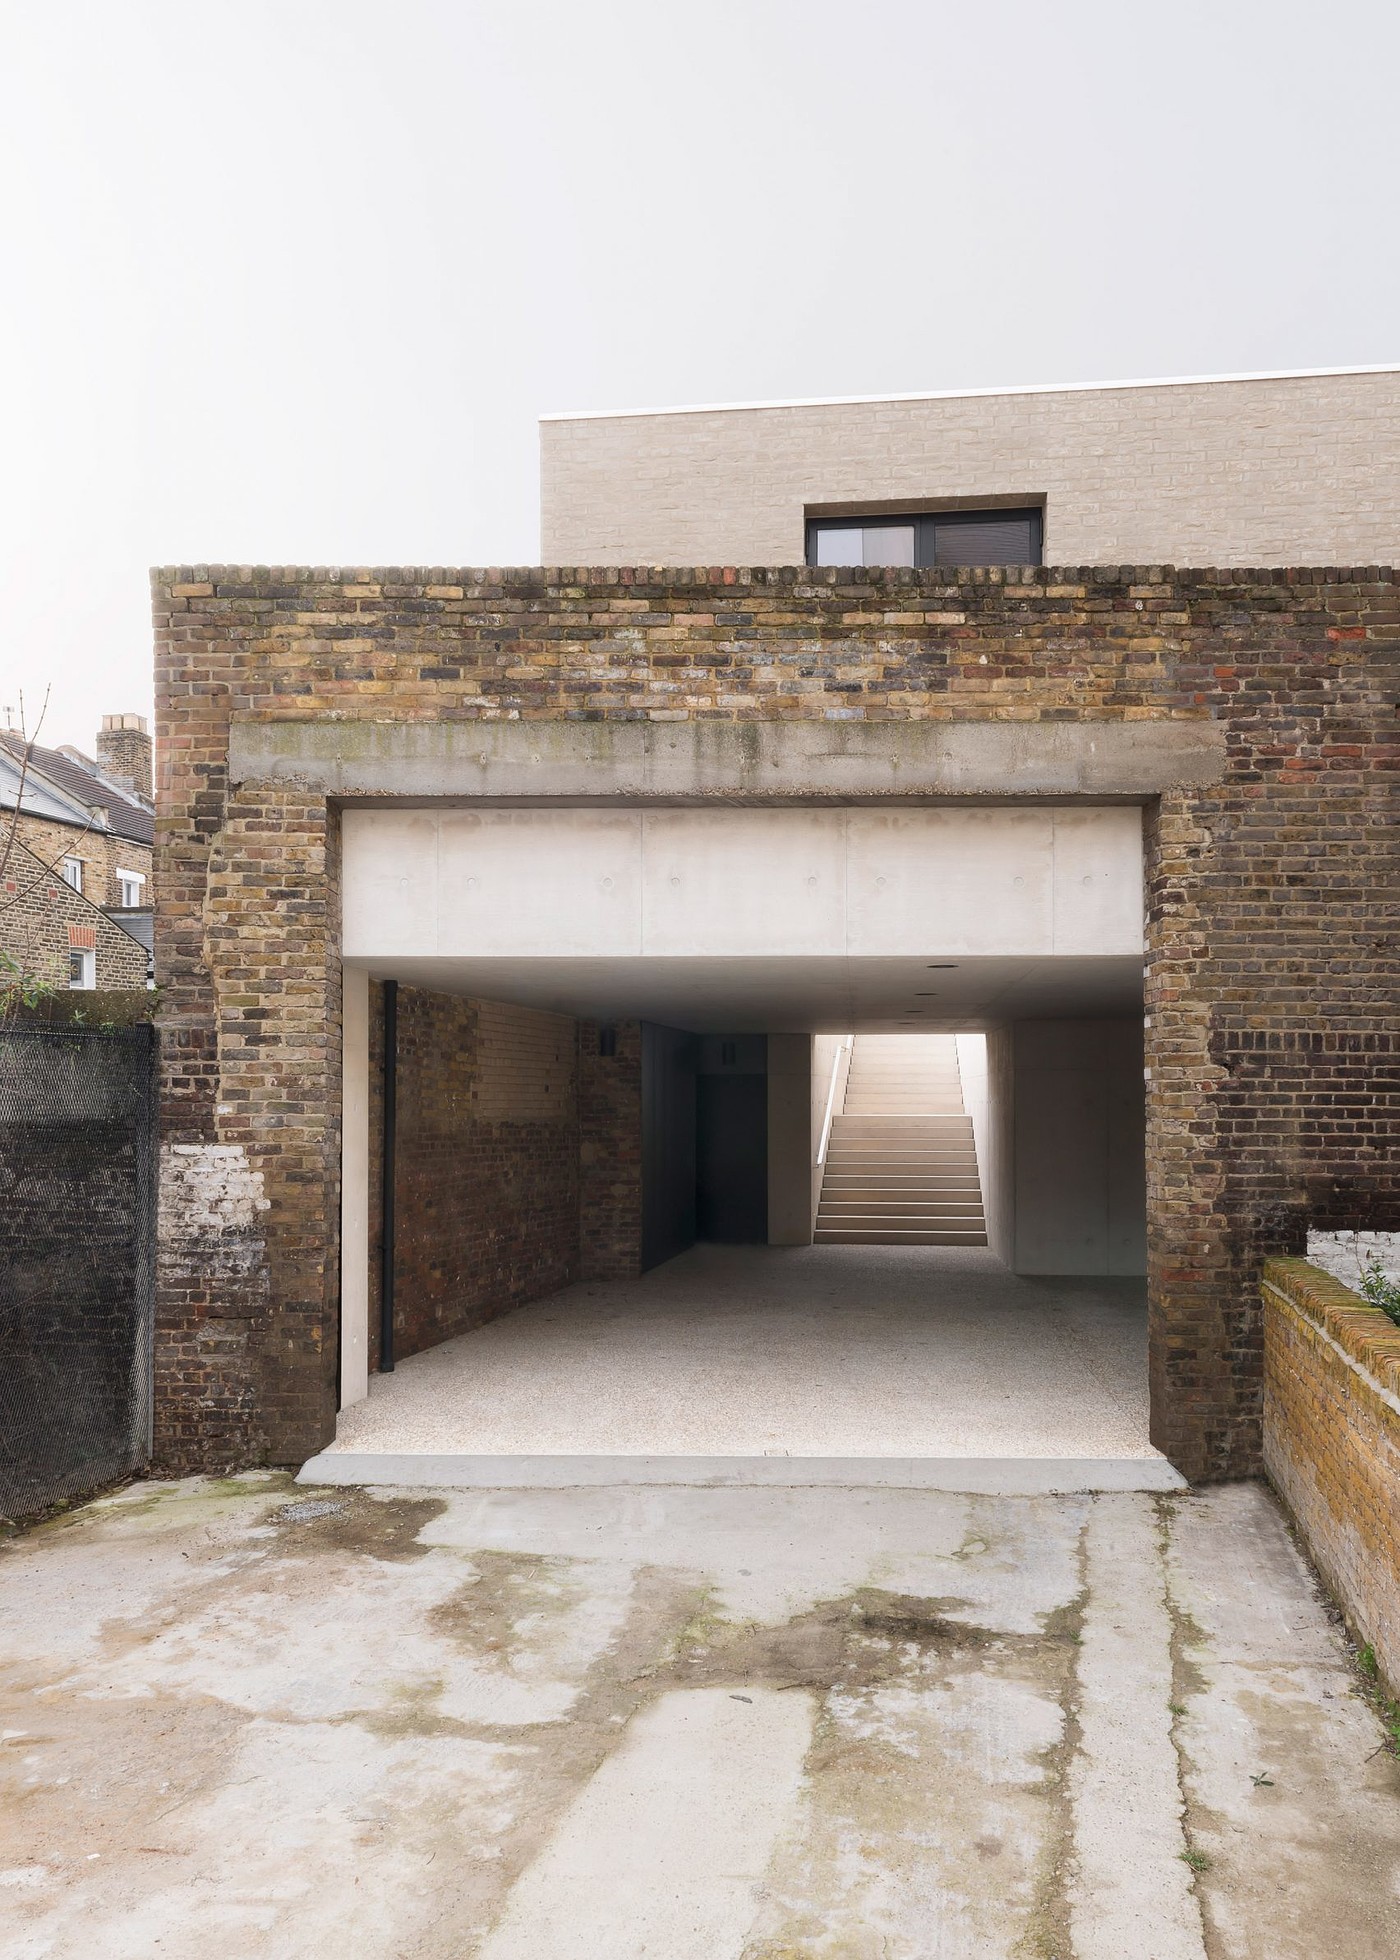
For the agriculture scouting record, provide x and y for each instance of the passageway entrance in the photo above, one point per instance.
(785, 1132)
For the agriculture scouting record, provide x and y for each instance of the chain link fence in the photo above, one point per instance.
(77, 1259)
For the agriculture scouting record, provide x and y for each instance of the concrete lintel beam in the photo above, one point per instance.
(748, 760)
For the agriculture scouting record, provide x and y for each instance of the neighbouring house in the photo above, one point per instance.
(76, 894)
(498, 909)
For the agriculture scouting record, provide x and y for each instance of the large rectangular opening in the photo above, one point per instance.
(846, 1110)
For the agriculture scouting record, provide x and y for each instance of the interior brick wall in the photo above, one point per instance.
(1332, 1440)
(610, 1152)
(1270, 972)
(487, 1154)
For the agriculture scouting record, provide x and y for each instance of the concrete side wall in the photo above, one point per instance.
(1079, 1116)
(972, 1071)
(997, 1166)
(1291, 471)
(1332, 1441)
(790, 1091)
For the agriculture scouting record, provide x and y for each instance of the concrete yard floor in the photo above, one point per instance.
(244, 1721)
(813, 1351)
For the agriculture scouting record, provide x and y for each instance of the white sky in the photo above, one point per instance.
(290, 280)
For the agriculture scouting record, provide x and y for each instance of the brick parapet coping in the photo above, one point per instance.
(1365, 1335)
(531, 578)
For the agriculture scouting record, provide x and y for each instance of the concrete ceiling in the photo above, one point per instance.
(793, 995)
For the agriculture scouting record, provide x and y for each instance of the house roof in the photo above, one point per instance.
(61, 785)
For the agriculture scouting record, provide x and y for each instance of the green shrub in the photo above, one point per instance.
(1380, 1289)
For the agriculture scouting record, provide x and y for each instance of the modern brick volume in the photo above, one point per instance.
(1332, 1440)
(1270, 978)
(1300, 469)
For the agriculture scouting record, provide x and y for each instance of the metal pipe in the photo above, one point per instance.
(391, 1118)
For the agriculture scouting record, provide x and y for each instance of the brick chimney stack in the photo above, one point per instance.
(124, 751)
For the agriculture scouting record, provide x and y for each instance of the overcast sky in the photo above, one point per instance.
(290, 280)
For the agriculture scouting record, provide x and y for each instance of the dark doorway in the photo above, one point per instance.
(668, 1143)
(732, 1159)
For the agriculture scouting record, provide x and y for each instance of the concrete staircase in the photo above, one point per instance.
(900, 1166)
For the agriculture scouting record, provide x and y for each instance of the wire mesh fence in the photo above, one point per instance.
(77, 1259)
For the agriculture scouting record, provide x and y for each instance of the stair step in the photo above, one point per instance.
(843, 1237)
(870, 1150)
(861, 1220)
(872, 1191)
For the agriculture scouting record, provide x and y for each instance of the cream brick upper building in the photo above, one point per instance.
(1272, 469)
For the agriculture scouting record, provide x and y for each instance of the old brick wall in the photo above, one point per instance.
(77, 1187)
(486, 1185)
(1265, 941)
(102, 854)
(41, 918)
(610, 1152)
(1332, 1440)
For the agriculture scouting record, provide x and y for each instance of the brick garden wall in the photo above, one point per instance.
(1332, 1440)
(1269, 976)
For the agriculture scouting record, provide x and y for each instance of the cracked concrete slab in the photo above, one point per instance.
(243, 1718)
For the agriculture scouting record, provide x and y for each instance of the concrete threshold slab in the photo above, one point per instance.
(1006, 1476)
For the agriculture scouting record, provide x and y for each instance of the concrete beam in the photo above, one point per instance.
(702, 761)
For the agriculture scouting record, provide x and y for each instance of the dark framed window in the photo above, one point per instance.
(937, 537)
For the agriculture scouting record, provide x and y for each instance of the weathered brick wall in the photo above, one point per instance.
(77, 1182)
(610, 1153)
(1332, 1440)
(1263, 891)
(41, 918)
(101, 853)
(486, 1185)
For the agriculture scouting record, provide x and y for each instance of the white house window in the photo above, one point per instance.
(130, 885)
(82, 967)
(72, 869)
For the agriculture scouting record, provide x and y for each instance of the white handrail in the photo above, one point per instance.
(841, 1047)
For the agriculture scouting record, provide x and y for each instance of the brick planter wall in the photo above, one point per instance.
(1332, 1440)
(1268, 983)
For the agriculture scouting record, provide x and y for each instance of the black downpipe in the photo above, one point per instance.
(391, 1122)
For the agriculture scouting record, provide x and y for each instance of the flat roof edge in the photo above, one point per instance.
(968, 394)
